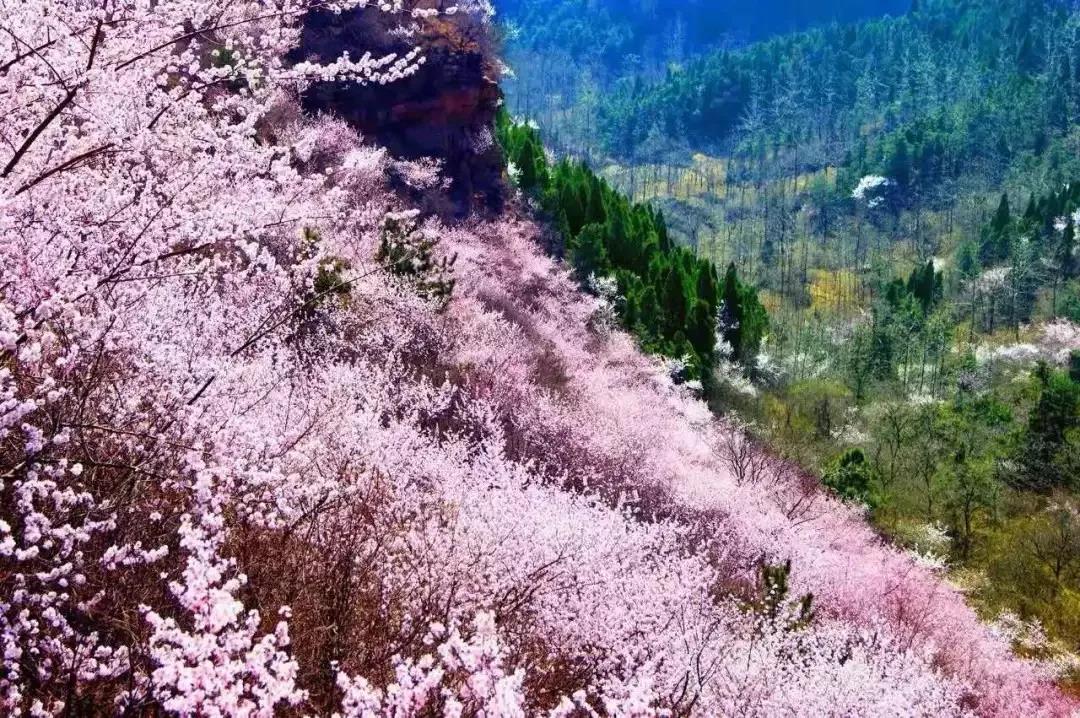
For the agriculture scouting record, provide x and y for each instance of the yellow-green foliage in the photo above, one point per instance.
(1032, 561)
(834, 291)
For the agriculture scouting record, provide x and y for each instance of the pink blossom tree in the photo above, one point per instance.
(246, 468)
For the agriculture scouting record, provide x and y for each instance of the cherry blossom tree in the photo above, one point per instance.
(247, 468)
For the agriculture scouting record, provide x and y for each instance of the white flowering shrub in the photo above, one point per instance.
(872, 190)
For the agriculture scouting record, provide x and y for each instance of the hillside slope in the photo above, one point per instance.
(903, 195)
(263, 451)
(615, 31)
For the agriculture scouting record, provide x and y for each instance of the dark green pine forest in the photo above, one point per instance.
(853, 226)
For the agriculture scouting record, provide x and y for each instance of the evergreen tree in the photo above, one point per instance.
(670, 297)
(997, 239)
(899, 166)
(852, 477)
(587, 252)
(1031, 214)
(1002, 217)
(532, 164)
(731, 317)
(595, 212)
(925, 284)
(1066, 251)
(676, 302)
(743, 319)
(707, 286)
(775, 590)
(408, 252)
(701, 330)
(662, 233)
(1055, 417)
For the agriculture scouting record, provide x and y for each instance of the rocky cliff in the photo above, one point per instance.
(445, 110)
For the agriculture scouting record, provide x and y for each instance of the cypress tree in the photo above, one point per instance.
(650, 310)
(926, 286)
(595, 211)
(732, 311)
(662, 233)
(571, 201)
(587, 252)
(526, 161)
(676, 304)
(900, 164)
(1054, 417)
(1067, 250)
(1031, 214)
(707, 286)
(702, 330)
(1002, 217)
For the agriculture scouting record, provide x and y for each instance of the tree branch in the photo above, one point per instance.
(37, 132)
(68, 164)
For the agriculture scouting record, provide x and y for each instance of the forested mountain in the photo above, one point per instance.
(1006, 69)
(612, 30)
(326, 390)
(567, 54)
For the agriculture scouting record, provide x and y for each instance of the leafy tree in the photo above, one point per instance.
(853, 478)
(970, 490)
(861, 362)
(972, 431)
(1055, 416)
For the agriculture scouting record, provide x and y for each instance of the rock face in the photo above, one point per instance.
(445, 111)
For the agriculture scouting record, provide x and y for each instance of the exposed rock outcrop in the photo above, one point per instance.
(445, 110)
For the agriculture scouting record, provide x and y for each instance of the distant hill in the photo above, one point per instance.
(612, 29)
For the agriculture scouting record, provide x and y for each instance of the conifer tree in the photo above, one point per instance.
(996, 239)
(1066, 253)
(708, 286)
(1002, 217)
(1031, 214)
(1056, 416)
(701, 330)
(595, 212)
(676, 302)
(852, 477)
(405, 250)
(900, 164)
(587, 252)
(925, 284)
(743, 319)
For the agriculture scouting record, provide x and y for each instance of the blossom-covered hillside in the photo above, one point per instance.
(265, 449)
